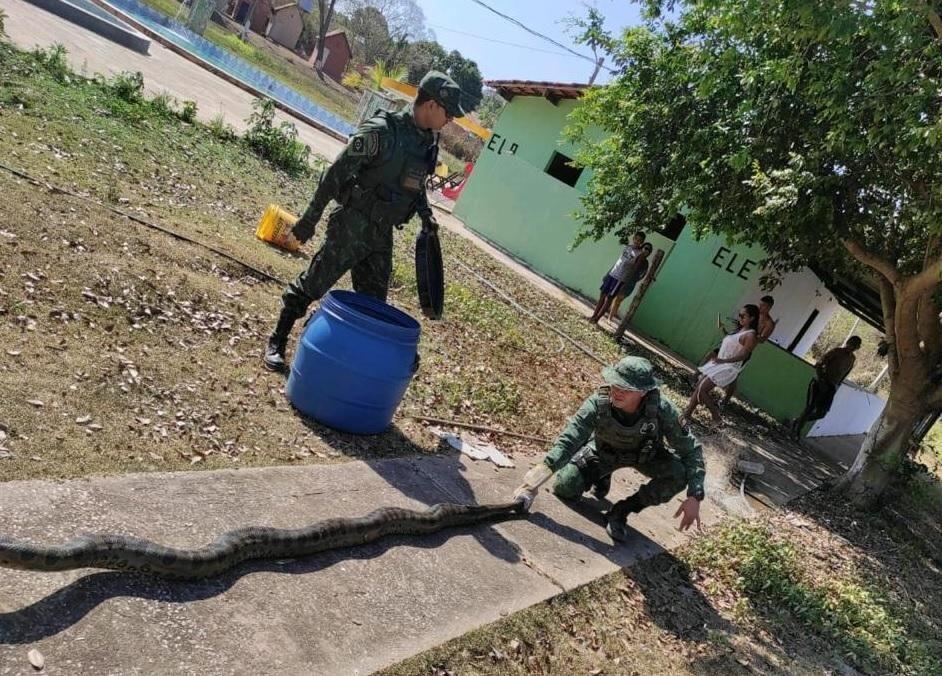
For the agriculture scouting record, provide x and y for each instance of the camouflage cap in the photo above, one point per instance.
(444, 90)
(631, 373)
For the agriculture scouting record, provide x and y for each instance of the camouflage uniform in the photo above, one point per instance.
(378, 182)
(600, 439)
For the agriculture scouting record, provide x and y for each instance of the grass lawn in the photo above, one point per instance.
(125, 350)
(155, 344)
(809, 591)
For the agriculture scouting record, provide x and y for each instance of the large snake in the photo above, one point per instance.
(119, 552)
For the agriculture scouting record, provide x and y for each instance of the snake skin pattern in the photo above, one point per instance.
(118, 552)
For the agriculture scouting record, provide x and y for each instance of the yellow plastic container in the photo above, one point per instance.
(274, 227)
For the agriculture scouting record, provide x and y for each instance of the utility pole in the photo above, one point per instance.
(598, 67)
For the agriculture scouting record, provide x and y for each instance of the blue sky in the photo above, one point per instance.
(462, 25)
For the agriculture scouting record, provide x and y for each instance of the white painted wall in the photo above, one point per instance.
(854, 411)
(796, 297)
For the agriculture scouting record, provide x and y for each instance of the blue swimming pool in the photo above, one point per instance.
(183, 37)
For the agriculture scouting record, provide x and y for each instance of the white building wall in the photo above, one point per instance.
(853, 412)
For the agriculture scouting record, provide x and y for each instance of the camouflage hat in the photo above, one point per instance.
(444, 90)
(631, 373)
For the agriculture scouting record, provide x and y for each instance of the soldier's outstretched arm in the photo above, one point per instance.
(575, 434)
(686, 446)
(363, 148)
(573, 437)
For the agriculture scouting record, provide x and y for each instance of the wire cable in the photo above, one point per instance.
(542, 36)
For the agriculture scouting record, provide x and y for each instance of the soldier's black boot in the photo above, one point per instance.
(602, 487)
(274, 358)
(617, 526)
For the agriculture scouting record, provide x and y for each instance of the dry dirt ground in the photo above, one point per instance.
(123, 349)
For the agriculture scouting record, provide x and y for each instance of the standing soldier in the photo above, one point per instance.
(624, 424)
(378, 181)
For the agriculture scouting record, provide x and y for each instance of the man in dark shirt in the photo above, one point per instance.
(830, 372)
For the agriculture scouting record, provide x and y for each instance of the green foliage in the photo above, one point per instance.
(220, 129)
(768, 571)
(489, 110)
(127, 86)
(163, 104)
(371, 42)
(381, 70)
(278, 144)
(791, 125)
(3, 30)
(353, 80)
(421, 57)
(812, 129)
(53, 60)
(188, 112)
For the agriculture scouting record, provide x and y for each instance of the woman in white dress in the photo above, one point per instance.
(725, 367)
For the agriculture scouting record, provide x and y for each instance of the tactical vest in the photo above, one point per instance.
(643, 438)
(389, 190)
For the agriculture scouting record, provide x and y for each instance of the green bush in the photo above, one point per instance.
(220, 129)
(279, 145)
(127, 86)
(53, 61)
(188, 112)
(353, 80)
(3, 31)
(162, 104)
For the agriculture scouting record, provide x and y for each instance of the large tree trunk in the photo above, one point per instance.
(884, 449)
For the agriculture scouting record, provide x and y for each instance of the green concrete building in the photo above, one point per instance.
(523, 197)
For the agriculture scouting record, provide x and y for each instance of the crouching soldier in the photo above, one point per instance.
(624, 424)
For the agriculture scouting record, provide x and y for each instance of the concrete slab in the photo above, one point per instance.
(28, 26)
(350, 611)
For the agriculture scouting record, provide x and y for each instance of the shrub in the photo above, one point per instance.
(381, 70)
(127, 86)
(162, 104)
(53, 61)
(353, 80)
(279, 145)
(219, 128)
(3, 16)
(188, 112)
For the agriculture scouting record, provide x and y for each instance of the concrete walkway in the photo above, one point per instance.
(28, 26)
(345, 612)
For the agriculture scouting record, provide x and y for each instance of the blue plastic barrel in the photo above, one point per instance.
(354, 361)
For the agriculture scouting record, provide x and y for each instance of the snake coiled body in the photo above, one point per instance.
(118, 552)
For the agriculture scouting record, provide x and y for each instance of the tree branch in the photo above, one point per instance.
(888, 303)
(873, 261)
(927, 280)
(933, 17)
